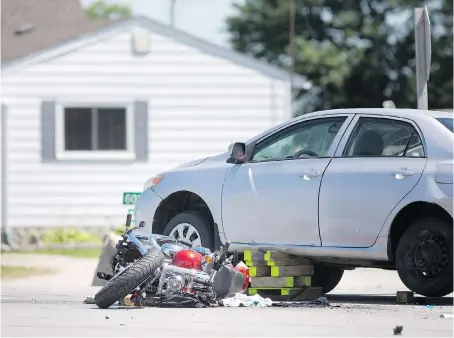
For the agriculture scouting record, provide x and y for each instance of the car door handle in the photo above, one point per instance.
(402, 172)
(309, 174)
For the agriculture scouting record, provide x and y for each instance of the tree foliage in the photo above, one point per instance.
(101, 10)
(356, 53)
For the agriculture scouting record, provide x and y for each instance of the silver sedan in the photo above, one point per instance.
(347, 188)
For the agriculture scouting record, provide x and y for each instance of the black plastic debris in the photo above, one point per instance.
(398, 330)
(177, 301)
(107, 317)
(319, 302)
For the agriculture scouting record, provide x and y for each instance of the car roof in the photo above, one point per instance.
(405, 113)
(412, 114)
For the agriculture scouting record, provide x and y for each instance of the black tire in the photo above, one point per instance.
(198, 222)
(438, 234)
(130, 278)
(326, 277)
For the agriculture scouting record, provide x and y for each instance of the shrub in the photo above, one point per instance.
(69, 235)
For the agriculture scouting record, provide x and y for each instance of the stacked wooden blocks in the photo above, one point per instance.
(280, 277)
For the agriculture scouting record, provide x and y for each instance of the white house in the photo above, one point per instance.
(91, 115)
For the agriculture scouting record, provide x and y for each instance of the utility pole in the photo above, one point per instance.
(172, 13)
(292, 48)
(423, 54)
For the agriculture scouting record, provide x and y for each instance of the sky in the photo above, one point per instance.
(202, 18)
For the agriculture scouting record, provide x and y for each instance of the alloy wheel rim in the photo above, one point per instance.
(187, 232)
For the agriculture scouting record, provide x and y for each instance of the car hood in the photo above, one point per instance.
(205, 161)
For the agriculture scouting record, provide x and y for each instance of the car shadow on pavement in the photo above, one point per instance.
(388, 300)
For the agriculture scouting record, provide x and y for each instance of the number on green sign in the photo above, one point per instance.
(130, 197)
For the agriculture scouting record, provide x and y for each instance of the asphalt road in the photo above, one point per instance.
(52, 306)
(52, 314)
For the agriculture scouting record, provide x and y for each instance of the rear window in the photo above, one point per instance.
(447, 122)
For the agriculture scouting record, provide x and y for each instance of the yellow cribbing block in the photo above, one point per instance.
(247, 255)
(283, 291)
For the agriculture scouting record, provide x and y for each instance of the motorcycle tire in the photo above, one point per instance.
(130, 278)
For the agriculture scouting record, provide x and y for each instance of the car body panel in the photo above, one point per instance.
(354, 204)
(358, 193)
(272, 200)
(204, 179)
(208, 177)
(275, 199)
(375, 253)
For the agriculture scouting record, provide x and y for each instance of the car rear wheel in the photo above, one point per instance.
(424, 257)
(326, 277)
(191, 227)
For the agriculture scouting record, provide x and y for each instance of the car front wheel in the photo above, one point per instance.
(191, 227)
(424, 257)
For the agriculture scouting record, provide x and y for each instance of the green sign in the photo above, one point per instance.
(130, 197)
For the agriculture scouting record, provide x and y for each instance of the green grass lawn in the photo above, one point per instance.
(71, 252)
(15, 272)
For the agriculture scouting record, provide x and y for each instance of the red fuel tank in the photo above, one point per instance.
(188, 259)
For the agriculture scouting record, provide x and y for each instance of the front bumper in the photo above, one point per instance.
(146, 206)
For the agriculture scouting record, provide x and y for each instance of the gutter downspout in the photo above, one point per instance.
(6, 239)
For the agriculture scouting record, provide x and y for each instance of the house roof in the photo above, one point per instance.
(61, 25)
(29, 26)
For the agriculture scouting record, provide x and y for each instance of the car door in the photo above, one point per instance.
(380, 162)
(273, 197)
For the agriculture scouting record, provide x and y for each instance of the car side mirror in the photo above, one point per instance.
(237, 151)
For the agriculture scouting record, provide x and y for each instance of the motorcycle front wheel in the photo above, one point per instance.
(126, 281)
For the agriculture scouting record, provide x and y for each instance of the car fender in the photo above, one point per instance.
(204, 182)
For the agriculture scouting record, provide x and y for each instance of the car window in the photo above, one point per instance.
(447, 122)
(384, 137)
(306, 139)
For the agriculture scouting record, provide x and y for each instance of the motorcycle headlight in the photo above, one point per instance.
(151, 182)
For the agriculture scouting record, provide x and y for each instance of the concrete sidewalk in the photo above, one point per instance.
(71, 273)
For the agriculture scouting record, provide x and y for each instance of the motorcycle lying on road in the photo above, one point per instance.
(168, 271)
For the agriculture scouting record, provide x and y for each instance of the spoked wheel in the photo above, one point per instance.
(191, 227)
(122, 284)
(424, 258)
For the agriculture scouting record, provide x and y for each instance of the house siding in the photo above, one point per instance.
(197, 105)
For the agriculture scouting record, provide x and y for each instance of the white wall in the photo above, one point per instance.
(198, 104)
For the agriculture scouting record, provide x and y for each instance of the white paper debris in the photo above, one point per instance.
(247, 301)
(447, 315)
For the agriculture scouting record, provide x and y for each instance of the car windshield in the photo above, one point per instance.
(447, 122)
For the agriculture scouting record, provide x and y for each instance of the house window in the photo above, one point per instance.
(95, 129)
(101, 131)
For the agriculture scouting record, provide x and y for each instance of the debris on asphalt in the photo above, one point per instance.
(404, 297)
(429, 306)
(398, 330)
(319, 302)
(107, 317)
(447, 315)
(178, 301)
(89, 300)
(242, 300)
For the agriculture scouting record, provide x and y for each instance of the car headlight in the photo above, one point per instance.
(151, 182)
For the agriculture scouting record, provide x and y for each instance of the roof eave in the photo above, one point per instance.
(158, 28)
